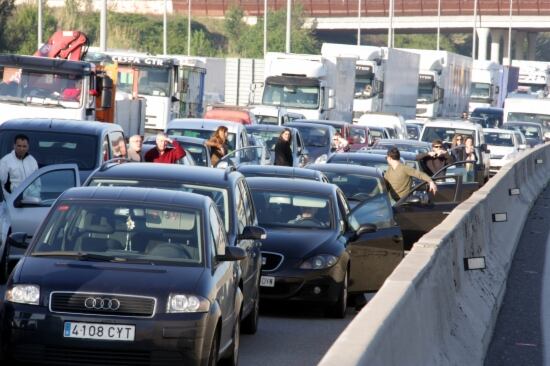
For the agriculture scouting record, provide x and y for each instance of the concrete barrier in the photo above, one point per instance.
(431, 311)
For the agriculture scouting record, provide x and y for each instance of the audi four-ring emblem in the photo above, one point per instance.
(102, 303)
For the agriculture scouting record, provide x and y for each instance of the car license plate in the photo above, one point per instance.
(267, 281)
(108, 332)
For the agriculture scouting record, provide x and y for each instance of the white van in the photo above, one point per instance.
(445, 130)
(391, 121)
(524, 109)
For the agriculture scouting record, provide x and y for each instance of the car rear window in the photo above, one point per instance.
(56, 148)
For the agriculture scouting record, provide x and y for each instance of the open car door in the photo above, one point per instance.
(377, 246)
(30, 202)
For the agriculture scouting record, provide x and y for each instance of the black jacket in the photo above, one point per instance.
(432, 164)
(283, 153)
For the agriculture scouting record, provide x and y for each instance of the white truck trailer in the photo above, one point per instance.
(443, 84)
(534, 76)
(316, 86)
(488, 87)
(385, 78)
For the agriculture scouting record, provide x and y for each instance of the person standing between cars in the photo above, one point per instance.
(17, 165)
(470, 154)
(164, 154)
(283, 152)
(217, 144)
(457, 148)
(134, 148)
(399, 176)
(434, 160)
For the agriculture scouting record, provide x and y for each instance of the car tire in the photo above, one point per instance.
(250, 323)
(232, 358)
(214, 347)
(338, 310)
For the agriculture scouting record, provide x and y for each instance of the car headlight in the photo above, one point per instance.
(23, 294)
(181, 303)
(321, 159)
(320, 261)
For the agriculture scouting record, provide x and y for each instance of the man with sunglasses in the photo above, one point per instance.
(432, 161)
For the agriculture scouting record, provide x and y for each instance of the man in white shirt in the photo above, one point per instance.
(17, 165)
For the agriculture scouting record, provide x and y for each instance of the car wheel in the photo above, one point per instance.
(232, 358)
(338, 310)
(250, 323)
(213, 355)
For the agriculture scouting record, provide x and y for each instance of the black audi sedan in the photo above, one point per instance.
(229, 191)
(316, 249)
(125, 276)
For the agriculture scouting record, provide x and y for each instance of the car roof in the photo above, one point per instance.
(185, 139)
(266, 127)
(205, 124)
(323, 122)
(168, 172)
(347, 168)
(488, 109)
(229, 114)
(453, 124)
(512, 123)
(137, 194)
(404, 154)
(393, 142)
(499, 130)
(59, 126)
(358, 156)
(283, 171)
(290, 184)
(307, 124)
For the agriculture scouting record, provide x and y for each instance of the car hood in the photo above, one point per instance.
(299, 243)
(501, 150)
(91, 276)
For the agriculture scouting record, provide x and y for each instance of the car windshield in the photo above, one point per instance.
(499, 139)
(122, 232)
(267, 120)
(314, 136)
(40, 88)
(530, 132)
(281, 208)
(56, 147)
(356, 186)
(203, 134)
(542, 119)
(425, 89)
(446, 134)
(218, 195)
(364, 78)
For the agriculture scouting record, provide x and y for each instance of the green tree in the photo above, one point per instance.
(21, 31)
(234, 27)
(6, 10)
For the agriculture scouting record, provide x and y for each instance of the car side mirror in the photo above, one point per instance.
(483, 147)
(366, 229)
(522, 147)
(18, 240)
(252, 233)
(232, 253)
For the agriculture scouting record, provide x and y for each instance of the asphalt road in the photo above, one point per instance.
(522, 332)
(291, 335)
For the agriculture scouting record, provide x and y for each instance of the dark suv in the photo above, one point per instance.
(56, 141)
(228, 189)
(125, 276)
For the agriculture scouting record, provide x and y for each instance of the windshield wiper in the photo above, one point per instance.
(80, 255)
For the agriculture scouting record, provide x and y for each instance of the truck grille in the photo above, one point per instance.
(271, 261)
(102, 304)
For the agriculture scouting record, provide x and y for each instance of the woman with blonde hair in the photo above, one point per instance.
(217, 144)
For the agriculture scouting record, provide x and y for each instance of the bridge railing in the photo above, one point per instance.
(431, 310)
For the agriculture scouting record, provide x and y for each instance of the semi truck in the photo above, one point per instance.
(386, 79)
(491, 83)
(171, 86)
(56, 83)
(443, 84)
(315, 86)
(534, 76)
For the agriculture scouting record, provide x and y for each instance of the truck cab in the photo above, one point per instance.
(486, 85)
(533, 76)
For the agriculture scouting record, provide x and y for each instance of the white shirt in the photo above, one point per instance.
(16, 169)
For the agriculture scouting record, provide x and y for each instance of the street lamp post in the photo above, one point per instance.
(39, 24)
(265, 27)
(510, 36)
(288, 16)
(474, 32)
(189, 29)
(103, 27)
(164, 29)
(390, 28)
(359, 22)
(438, 22)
